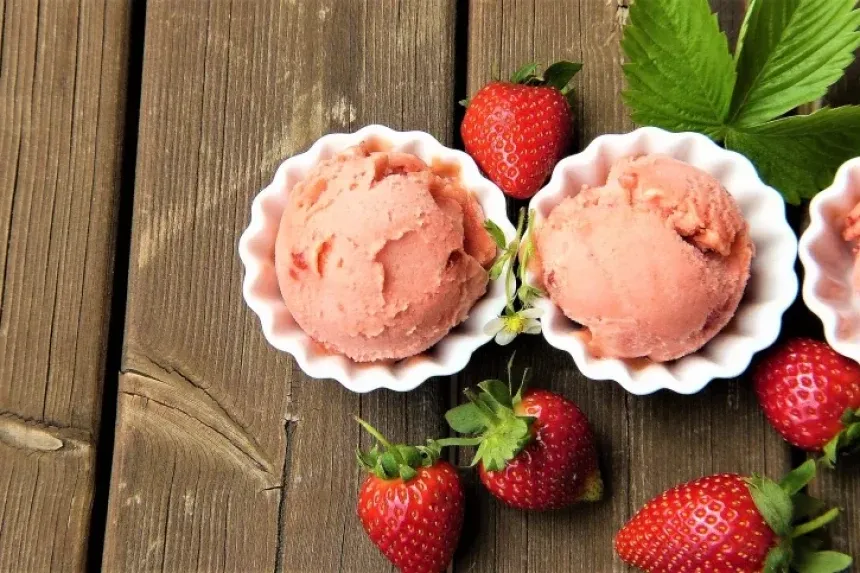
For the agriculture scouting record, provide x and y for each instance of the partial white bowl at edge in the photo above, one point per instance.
(262, 294)
(771, 289)
(828, 262)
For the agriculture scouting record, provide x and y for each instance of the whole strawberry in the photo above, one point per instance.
(730, 523)
(535, 448)
(811, 396)
(411, 504)
(518, 130)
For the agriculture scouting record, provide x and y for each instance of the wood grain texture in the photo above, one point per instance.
(228, 458)
(62, 104)
(648, 443)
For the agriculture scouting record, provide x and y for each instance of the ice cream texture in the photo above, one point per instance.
(379, 255)
(654, 263)
(851, 234)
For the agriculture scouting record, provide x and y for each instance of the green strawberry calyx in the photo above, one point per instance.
(557, 75)
(395, 461)
(490, 415)
(846, 440)
(796, 519)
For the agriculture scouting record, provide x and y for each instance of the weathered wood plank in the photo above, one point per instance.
(718, 430)
(227, 457)
(62, 105)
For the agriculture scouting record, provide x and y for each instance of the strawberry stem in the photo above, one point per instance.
(816, 523)
(381, 439)
(450, 442)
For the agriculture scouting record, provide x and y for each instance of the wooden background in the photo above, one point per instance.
(145, 424)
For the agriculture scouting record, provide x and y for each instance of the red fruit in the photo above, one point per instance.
(517, 131)
(411, 505)
(535, 450)
(728, 523)
(811, 396)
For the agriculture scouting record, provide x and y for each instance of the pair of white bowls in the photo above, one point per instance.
(756, 325)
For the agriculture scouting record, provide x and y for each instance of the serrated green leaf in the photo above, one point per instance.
(679, 71)
(559, 74)
(790, 52)
(505, 441)
(799, 155)
(496, 233)
(466, 419)
(796, 479)
(822, 562)
(773, 504)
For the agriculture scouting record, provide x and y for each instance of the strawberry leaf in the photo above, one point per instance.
(822, 562)
(798, 478)
(680, 73)
(496, 233)
(498, 392)
(777, 560)
(525, 73)
(773, 504)
(503, 442)
(806, 506)
(790, 52)
(799, 155)
(466, 419)
(559, 75)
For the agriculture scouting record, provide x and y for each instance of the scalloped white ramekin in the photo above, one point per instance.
(263, 296)
(828, 262)
(771, 289)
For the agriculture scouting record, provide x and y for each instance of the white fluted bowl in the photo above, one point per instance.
(828, 262)
(771, 289)
(263, 296)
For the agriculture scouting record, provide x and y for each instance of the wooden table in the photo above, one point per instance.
(145, 424)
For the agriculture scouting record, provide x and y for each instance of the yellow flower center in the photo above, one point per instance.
(515, 323)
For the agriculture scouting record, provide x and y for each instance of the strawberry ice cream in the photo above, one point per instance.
(379, 255)
(653, 264)
(851, 233)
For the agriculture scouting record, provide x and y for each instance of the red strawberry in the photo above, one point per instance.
(811, 395)
(518, 130)
(728, 523)
(411, 504)
(535, 449)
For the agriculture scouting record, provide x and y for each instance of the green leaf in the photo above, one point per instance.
(503, 442)
(796, 479)
(773, 504)
(777, 560)
(791, 51)
(499, 266)
(496, 233)
(822, 562)
(524, 73)
(799, 155)
(389, 464)
(559, 75)
(407, 472)
(806, 506)
(680, 73)
(466, 419)
(499, 392)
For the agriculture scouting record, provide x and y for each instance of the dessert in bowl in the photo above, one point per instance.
(829, 253)
(666, 261)
(366, 259)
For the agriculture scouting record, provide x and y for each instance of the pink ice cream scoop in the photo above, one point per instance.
(653, 264)
(379, 256)
(851, 234)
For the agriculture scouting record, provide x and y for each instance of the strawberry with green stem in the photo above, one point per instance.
(411, 504)
(513, 264)
(535, 447)
(728, 522)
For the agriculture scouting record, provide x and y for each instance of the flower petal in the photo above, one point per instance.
(494, 326)
(532, 327)
(505, 337)
(531, 313)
